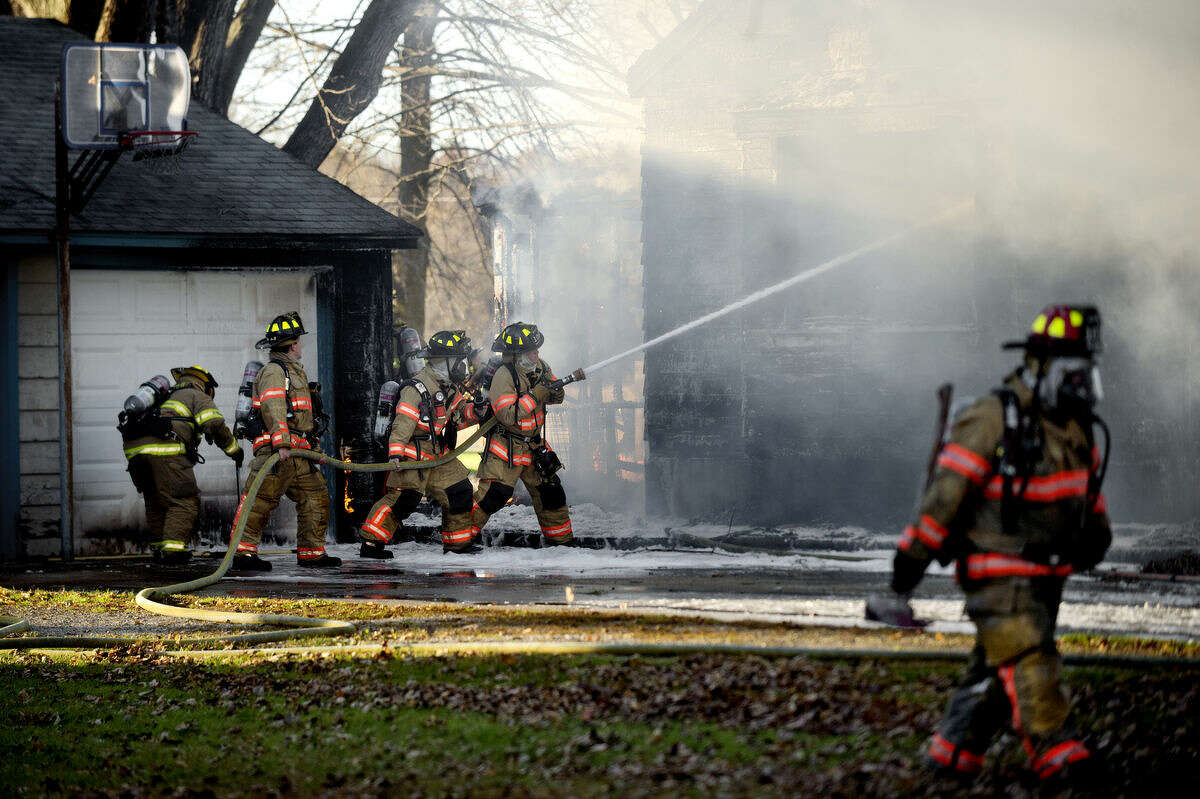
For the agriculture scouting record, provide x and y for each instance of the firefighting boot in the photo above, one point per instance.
(374, 549)
(323, 562)
(470, 549)
(250, 563)
(174, 557)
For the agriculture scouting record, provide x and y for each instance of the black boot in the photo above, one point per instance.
(323, 562)
(374, 549)
(249, 563)
(174, 557)
(470, 549)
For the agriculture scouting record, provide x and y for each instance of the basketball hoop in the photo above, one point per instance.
(162, 147)
(118, 98)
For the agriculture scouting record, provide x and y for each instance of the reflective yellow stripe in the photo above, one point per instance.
(176, 407)
(207, 415)
(166, 448)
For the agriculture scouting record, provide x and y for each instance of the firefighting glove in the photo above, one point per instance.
(894, 610)
(540, 392)
(238, 457)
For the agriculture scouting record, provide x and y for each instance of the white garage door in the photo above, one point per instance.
(127, 326)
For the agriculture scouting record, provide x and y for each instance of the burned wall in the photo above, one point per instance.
(772, 147)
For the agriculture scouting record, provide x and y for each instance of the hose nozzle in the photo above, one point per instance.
(574, 377)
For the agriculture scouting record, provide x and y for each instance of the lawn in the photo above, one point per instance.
(138, 721)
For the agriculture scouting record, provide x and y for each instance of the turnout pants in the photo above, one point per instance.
(498, 480)
(167, 484)
(1012, 679)
(448, 485)
(299, 480)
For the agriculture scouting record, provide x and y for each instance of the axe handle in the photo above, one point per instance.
(944, 393)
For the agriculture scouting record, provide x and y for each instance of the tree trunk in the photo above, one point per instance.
(126, 21)
(410, 268)
(84, 16)
(205, 29)
(353, 82)
(243, 34)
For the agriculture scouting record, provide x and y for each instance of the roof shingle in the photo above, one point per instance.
(229, 184)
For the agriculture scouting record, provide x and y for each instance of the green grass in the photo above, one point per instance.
(92, 735)
(257, 725)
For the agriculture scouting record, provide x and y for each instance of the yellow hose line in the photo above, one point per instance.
(655, 649)
(153, 599)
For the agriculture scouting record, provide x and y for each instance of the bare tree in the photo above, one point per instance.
(244, 30)
(217, 42)
(353, 82)
(472, 88)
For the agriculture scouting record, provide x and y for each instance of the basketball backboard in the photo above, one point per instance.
(112, 90)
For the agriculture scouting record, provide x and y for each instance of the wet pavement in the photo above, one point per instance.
(794, 589)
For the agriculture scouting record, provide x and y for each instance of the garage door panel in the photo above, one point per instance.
(104, 298)
(159, 300)
(95, 444)
(91, 366)
(216, 298)
(168, 319)
(274, 299)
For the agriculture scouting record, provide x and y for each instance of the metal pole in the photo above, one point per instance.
(62, 209)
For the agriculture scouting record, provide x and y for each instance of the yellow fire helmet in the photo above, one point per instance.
(283, 329)
(203, 375)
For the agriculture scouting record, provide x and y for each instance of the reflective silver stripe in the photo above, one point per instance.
(176, 407)
(207, 415)
(172, 448)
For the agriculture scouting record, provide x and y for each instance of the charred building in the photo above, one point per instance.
(780, 135)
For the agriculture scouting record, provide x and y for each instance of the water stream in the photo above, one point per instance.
(945, 216)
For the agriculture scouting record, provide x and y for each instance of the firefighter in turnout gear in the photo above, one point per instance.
(162, 451)
(1015, 499)
(515, 448)
(425, 427)
(289, 416)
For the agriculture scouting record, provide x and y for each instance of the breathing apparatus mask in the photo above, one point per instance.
(527, 361)
(1068, 385)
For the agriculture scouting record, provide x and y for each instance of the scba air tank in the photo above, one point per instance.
(386, 408)
(245, 401)
(148, 394)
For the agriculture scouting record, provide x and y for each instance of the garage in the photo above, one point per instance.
(168, 268)
(210, 318)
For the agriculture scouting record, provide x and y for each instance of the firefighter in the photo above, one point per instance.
(161, 461)
(289, 407)
(425, 428)
(515, 448)
(1016, 500)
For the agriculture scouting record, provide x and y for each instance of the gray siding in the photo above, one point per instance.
(37, 336)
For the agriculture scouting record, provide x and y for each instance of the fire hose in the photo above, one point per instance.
(154, 599)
